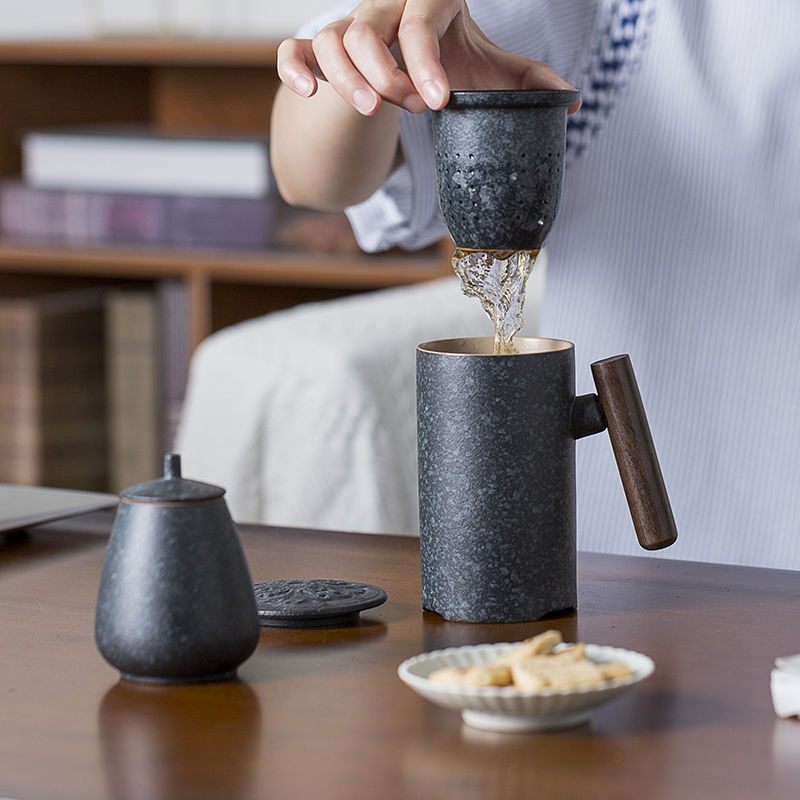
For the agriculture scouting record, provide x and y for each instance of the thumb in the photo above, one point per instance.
(539, 75)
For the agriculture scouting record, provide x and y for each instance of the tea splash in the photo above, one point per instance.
(498, 278)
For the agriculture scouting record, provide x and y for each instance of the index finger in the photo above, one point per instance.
(297, 66)
(418, 37)
(365, 43)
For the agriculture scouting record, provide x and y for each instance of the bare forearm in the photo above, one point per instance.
(326, 155)
(335, 123)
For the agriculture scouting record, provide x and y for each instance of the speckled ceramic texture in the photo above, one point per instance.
(496, 458)
(499, 166)
(175, 603)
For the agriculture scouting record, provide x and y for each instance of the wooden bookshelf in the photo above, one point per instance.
(150, 51)
(175, 85)
(324, 275)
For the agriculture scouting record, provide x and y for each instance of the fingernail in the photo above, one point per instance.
(303, 85)
(364, 101)
(433, 94)
(415, 104)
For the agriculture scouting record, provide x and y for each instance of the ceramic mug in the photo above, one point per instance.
(496, 463)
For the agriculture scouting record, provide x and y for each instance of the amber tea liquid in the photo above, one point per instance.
(498, 279)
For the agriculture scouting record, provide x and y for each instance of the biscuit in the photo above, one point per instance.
(450, 675)
(536, 674)
(476, 675)
(573, 652)
(535, 646)
(575, 675)
(534, 665)
(612, 671)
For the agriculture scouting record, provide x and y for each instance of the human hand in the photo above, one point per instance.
(410, 53)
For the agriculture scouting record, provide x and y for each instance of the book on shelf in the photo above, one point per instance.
(280, 19)
(175, 352)
(80, 217)
(241, 17)
(133, 386)
(52, 389)
(91, 383)
(84, 18)
(123, 18)
(46, 19)
(139, 159)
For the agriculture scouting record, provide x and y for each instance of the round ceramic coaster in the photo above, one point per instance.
(304, 603)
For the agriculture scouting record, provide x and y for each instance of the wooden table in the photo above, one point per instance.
(321, 712)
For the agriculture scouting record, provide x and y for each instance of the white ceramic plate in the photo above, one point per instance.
(504, 708)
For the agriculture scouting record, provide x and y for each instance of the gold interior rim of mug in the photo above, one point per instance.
(484, 346)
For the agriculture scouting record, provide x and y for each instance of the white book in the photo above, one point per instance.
(122, 17)
(263, 18)
(212, 18)
(278, 19)
(140, 161)
(45, 19)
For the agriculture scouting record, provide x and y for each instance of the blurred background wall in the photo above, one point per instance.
(76, 18)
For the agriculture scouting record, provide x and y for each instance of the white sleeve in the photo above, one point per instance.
(404, 212)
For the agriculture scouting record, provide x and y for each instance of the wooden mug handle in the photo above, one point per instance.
(634, 451)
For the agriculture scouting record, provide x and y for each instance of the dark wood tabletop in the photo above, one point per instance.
(321, 713)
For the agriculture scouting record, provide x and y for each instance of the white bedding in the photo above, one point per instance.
(307, 416)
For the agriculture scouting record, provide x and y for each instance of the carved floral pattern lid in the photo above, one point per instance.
(303, 603)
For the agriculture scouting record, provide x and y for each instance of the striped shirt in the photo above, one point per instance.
(677, 241)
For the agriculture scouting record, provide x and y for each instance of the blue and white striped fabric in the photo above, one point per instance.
(677, 241)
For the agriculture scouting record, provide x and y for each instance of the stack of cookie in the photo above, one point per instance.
(542, 662)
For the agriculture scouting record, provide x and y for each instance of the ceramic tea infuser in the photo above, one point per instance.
(499, 159)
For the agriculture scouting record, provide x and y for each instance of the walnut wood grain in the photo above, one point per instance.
(37, 95)
(321, 276)
(174, 84)
(321, 712)
(163, 50)
(635, 452)
(213, 98)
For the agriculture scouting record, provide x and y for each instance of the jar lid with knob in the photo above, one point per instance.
(172, 488)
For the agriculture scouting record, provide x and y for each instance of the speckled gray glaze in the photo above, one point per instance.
(496, 457)
(175, 603)
(499, 165)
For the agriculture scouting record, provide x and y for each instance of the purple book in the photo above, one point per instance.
(78, 217)
(126, 218)
(32, 215)
(221, 222)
